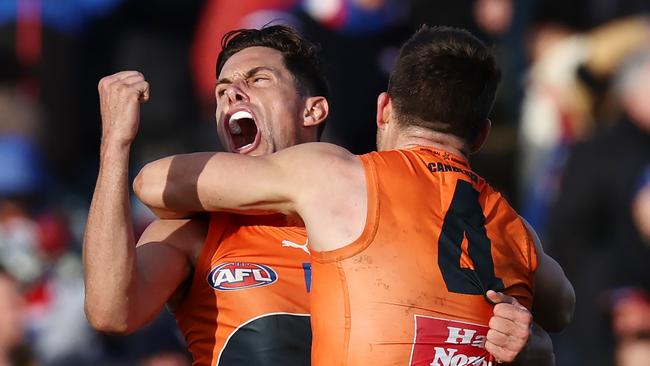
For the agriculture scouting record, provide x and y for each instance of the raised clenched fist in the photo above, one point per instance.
(120, 96)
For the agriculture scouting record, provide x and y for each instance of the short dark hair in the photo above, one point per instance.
(300, 56)
(445, 79)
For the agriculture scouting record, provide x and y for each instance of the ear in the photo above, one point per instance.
(479, 141)
(384, 110)
(316, 111)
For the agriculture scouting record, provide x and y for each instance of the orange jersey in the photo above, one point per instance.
(248, 303)
(410, 290)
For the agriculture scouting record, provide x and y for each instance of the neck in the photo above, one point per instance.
(413, 137)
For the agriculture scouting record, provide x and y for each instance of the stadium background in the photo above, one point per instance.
(561, 149)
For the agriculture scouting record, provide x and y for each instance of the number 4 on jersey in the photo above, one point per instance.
(465, 219)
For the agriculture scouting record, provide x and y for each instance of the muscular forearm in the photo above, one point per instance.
(109, 246)
(208, 181)
(124, 290)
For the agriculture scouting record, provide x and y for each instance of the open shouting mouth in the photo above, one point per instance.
(243, 132)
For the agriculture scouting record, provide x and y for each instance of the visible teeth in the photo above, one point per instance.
(241, 114)
(235, 129)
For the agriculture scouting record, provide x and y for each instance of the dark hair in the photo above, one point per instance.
(445, 79)
(299, 55)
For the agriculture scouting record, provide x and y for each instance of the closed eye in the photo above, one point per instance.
(221, 91)
(258, 79)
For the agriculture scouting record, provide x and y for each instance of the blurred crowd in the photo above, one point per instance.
(570, 145)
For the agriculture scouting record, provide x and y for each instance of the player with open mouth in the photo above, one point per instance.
(256, 104)
(243, 132)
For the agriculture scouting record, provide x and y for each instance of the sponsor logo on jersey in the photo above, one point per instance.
(234, 276)
(443, 342)
(290, 244)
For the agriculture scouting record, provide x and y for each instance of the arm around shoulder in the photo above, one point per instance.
(233, 182)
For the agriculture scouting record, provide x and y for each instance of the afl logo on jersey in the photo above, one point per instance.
(238, 276)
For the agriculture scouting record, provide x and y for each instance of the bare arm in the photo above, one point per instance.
(125, 286)
(109, 245)
(165, 255)
(554, 299)
(299, 179)
(512, 336)
(212, 181)
(122, 301)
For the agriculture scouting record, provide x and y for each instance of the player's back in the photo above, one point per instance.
(248, 301)
(410, 290)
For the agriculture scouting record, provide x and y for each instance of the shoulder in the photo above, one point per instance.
(316, 150)
(318, 159)
(536, 250)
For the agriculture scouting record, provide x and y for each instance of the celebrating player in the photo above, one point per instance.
(405, 242)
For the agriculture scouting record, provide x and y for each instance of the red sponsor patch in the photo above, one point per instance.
(238, 275)
(443, 342)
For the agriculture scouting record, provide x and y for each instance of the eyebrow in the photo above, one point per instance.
(247, 74)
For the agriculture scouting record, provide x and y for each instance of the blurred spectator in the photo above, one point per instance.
(34, 251)
(641, 206)
(494, 17)
(68, 16)
(565, 100)
(21, 179)
(19, 252)
(631, 316)
(21, 121)
(13, 350)
(34, 241)
(584, 15)
(355, 17)
(47, 37)
(633, 353)
(23, 172)
(591, 232)
(19, 114)
(630, 311)
(55, 300)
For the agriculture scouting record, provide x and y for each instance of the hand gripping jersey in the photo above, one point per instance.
(410, 290)
(248, 302)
